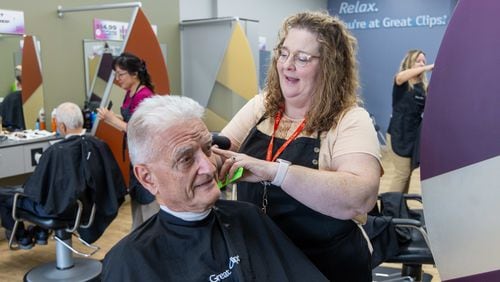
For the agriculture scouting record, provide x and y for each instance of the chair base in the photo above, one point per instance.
(83, 270)
(414, 271)
(390, 274)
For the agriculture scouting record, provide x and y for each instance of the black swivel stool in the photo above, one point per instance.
(66, 267)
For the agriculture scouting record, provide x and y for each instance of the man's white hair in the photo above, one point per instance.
(152, 118)
(70, 115)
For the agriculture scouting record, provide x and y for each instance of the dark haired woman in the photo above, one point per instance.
(131, 74)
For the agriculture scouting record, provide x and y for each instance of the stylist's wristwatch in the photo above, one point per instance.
(281, 173)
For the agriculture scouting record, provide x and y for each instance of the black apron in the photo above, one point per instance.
(337, 247)
(135, 188)
(404, 126)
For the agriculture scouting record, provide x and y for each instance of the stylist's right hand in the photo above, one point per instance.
(255, 170)
(105, 114)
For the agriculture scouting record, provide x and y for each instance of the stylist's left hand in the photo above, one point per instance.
(255, 170)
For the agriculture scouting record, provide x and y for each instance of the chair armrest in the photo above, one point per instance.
(78, 217)
(17, 195)
(416, 197)
(406, 221)
(412, 223)
(91, 218)
(12, 245)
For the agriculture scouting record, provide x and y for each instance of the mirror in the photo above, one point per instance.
(18, 53)
(98, 59)
(10, 57)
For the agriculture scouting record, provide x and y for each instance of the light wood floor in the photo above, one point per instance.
(14, 264)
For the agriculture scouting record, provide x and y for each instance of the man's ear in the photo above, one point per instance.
(62, 128)
(145, 177)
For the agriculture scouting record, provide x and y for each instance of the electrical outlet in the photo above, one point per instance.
(33, 153)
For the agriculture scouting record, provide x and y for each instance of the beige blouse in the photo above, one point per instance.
(354, 133)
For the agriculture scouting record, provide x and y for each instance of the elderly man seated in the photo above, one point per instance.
(76, 166)
(195, 236)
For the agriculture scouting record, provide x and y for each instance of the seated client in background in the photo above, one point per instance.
(76, 165)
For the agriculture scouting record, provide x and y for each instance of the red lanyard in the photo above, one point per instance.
(277, 119)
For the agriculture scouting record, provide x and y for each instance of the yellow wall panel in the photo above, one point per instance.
(238, 71)
(32, 106)
(213, 121)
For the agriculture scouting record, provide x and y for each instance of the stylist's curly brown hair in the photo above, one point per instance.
(337, 83)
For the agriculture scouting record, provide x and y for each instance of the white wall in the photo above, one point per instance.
(269, 13)
(197, 9)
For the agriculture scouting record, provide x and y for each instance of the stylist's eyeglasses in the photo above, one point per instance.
(300, 59)
(120, 74)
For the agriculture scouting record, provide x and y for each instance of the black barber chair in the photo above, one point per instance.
(398, 235)
(65, 268)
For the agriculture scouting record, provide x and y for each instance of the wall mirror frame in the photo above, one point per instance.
(96, 64)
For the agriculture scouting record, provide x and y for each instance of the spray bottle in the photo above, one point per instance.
(53, 122)
(41, 119)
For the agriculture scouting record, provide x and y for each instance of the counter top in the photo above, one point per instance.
(19, 151)
(26, 137)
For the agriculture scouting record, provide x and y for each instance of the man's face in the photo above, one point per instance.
(182, 176)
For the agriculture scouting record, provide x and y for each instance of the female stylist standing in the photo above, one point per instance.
(408, 102)
(309, 151)
(132, 75)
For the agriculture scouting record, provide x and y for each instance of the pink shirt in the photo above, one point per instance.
(131, 103)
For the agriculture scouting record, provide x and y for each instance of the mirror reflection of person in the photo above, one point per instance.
(16, 85)
(310, 152)
(132, 75)
(408, 102)
(195, 236)
(11, 109)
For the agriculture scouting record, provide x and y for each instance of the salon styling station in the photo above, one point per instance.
(20, 151)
